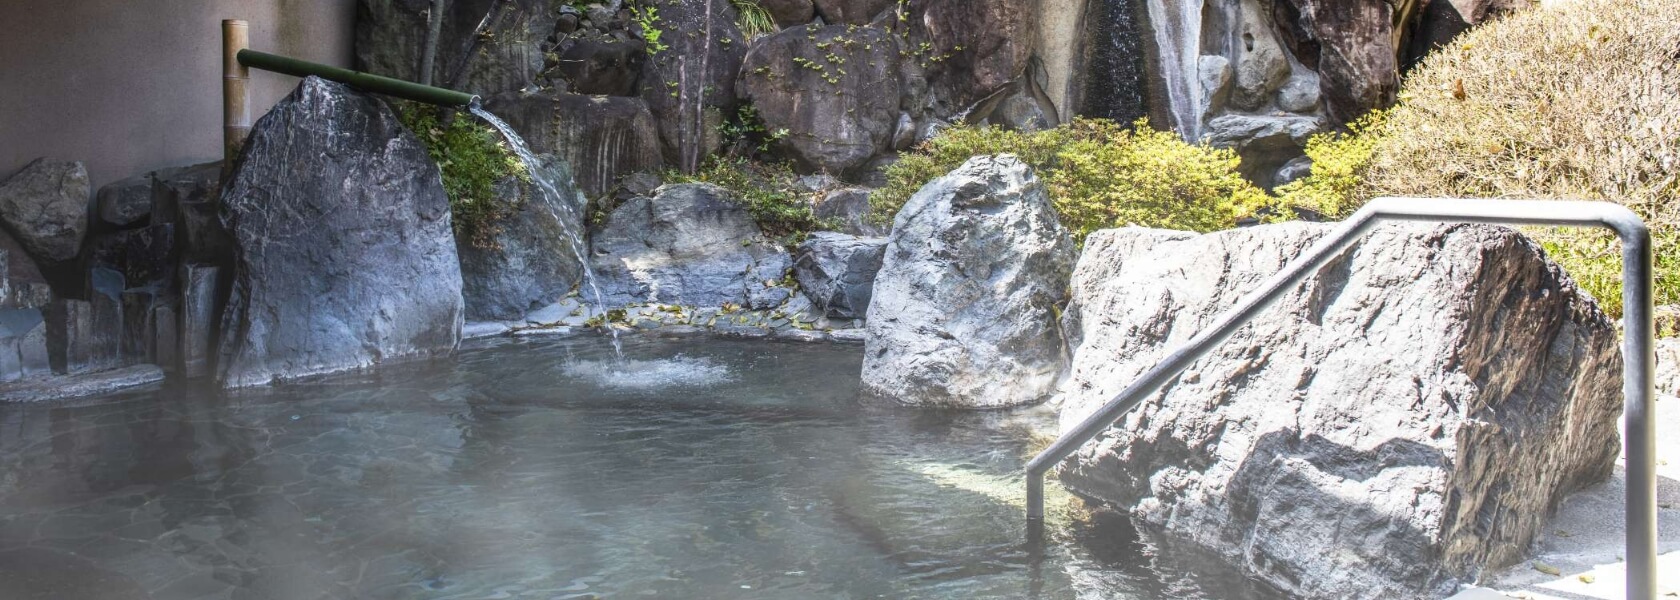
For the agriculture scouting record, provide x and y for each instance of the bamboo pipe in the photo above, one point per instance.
(407, 90)
(236, 93)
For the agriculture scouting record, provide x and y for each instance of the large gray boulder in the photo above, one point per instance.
(834, 91)
(1406, 419)
(45, 207)
(837, 272)
(343, 255)
(964, 307)
(530, 260)
(690, 244)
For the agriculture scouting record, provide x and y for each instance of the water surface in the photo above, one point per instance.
(541, 468)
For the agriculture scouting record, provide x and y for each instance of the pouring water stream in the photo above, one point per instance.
(555, 205)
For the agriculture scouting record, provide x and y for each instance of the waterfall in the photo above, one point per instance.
(1177, 26)
(1117, 77)
(559, 209)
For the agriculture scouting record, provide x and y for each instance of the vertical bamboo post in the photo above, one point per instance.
(236, 95)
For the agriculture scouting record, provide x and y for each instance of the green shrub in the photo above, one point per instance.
(769, 192)
(473, 158)
(1573, 101)
(1341, 161)
(1098, 174)
(1149, 178)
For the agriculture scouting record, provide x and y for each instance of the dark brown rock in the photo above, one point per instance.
(690, 86)
(597, 64)
(977, 48)
(851, 12)
(1352, 45)
(789, 13)
(601, 138)
(834, 90)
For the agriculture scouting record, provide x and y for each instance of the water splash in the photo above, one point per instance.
(559, 209)
(1177, 26)
(678, 371)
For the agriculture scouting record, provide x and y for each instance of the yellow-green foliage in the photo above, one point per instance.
(1341, 162)
(1149, 178)
(473, 159)
(1575, 101)
(1098, 173)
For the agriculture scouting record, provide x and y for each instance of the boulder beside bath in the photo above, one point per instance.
(691, 244)
(1405, 420)
(343, 255)
(964, 308)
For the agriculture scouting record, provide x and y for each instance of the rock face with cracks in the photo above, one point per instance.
(343, 255)
(964, 307)
(688, 244)
(1406, 419)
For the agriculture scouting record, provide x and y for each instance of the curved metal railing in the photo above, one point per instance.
(1638, 359)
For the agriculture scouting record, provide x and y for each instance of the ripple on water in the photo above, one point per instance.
(677, 371)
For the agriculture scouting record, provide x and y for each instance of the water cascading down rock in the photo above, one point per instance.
(964, 308)
(1406, 419)
(343, 255)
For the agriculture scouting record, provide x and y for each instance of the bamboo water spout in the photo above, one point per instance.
(365, 81)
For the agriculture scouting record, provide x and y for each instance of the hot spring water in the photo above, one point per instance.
(521, 469)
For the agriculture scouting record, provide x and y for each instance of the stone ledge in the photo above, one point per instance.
(75, 386)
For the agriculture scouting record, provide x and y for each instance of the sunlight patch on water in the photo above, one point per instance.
(678, 371)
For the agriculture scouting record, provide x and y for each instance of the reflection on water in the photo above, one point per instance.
(533, 469)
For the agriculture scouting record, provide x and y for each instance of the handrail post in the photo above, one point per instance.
(1639, 390)
(1638, 365)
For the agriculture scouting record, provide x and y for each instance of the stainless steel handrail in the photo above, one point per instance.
(1637, 354)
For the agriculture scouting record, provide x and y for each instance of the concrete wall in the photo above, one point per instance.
(128, 86)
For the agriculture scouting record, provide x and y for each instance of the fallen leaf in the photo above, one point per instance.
(1585, 578)
(1458, 90)
(1562, 533)
(1547, 569)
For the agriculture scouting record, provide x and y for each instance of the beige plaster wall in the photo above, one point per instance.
(128, 86)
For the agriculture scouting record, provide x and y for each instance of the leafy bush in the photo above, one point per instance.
(1574, 101)
(769, 192)
(1149, 178)
(473, 159)
(1098, 173)
(1341, 161)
